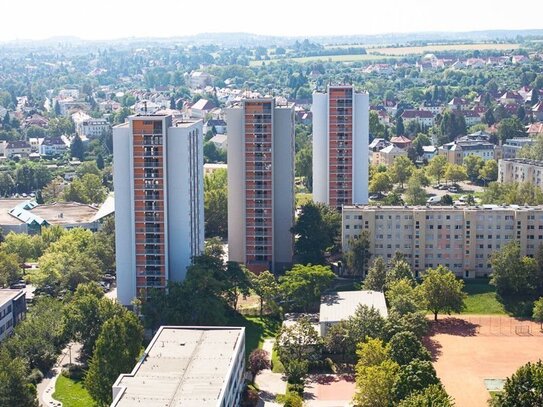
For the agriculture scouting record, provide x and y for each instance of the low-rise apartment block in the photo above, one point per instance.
(521, 170)
(460, 238)
(186, 366)
(12, 310)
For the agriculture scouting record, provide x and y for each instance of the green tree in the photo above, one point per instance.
(513, 274)
(380, 182)
(403, 297)
(414, 322)
(237, 281)
(15, 389)
(374, 385)
(54, 190)
(10, 271)
(366, 323)
(376, 277)
(117, 347)
(77, 148)
(336, 339)
(302, 286)
(442, 291)
(437, 167)
(523, 389)
(300, 341)
(399, 269)
(489, 172)
(400, 128)
(403, 347)
(373, 352)
(455, 173)
(473, 165)
(266, 287)
(358, 255)
(304, 165)
(432, 396)
(537, 314)
(509, 128)
(415, 194)
(401, 170)
(216, 203)
(259, 359)
(415, 376)
(317, 231)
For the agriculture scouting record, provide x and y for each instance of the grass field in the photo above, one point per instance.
(482, 298)
(401, 51)
(72, 393)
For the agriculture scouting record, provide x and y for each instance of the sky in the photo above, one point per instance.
(110, 19)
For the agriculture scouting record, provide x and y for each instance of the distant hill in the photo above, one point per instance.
(252, 40)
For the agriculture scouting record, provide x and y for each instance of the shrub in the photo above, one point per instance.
(330, 365)
(35, 376)
(74, 372)
(295, 388)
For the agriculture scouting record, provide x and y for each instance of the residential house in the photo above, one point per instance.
(53, 146)
(535, 129)
(470, 117)
(201, 108)
(423, 117)
(199, 80)
(457, 103)
(17, 147)
(429, 152)
(218, 124)
(93, 128)
(36, 120)
(220, 141)
(456, 151)
(537, 111)
(387, 155)
(401, 142)
(434, 107)
(511, 98)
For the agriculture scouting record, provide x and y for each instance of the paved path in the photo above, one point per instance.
(47, 386)
(270, 384)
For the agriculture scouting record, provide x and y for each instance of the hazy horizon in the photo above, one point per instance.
(110, 20)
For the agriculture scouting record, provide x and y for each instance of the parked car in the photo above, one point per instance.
(433, 200)
(17, 285)
(454, 190)
(377, 196)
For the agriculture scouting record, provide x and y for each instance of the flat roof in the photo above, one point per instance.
(7, 294)
(438, 208)
(343, 304)
(5, 206)
(183, 366)
(65, 212)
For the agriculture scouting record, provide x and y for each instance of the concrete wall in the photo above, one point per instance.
(182, 203)
(124, 213)
(283, 185)
(360, 148)
(236, 185)
(320, 147)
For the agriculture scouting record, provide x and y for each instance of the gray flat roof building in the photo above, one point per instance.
(343, 304)
(186, 367)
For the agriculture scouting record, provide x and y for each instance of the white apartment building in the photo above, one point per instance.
(12, 310)
(186, 366)
(93, 128)
(425, 118)
(521, 170)
(53, 146)
(261, 184)
(159, 202)
(460, 238)
(340, 146)
(512, 146)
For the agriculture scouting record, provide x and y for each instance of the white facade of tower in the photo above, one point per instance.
(167, 178)
(358, 135)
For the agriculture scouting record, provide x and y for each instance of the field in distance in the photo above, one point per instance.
(375, 54)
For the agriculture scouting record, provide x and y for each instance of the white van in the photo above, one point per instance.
(433, 200)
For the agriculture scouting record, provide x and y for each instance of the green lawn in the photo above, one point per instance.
(256, 330)
(277, 366)
(482, 298)
(331, 58)
(72, 393)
